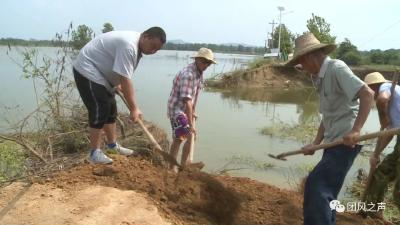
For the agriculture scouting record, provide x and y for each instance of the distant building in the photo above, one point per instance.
(272, 53)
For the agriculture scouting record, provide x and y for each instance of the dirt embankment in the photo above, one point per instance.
(268, 76)
(275, 77)
(191, 197)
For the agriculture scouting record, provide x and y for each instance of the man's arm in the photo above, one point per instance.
(129, 94)
(382, 104)
(366, 96)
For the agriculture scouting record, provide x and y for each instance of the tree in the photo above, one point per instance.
(348, 53)
(345, 47)
(287, 39)
(320, 28)
(82, 35)
(377, 56)
(107, 27)
(352, 58)
(391, 56)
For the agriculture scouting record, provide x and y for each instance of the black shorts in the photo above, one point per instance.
(99, 102)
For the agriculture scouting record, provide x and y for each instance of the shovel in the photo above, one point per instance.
(158, 148)
(198, 165)
(338, 142)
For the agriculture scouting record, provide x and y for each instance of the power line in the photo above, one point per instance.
(380, 33)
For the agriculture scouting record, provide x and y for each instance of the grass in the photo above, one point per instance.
(378, 67)
(259, 62)
(12, 161)
(391, 212)
(302, 132)
(244, 162)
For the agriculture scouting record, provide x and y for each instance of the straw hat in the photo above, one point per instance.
(205, 53)
(374, 78)
(307, 43)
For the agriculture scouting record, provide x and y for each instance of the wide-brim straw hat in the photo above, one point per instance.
(307, 43)
(205, 53)
(374, 78)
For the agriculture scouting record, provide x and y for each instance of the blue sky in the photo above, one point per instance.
(369, 24)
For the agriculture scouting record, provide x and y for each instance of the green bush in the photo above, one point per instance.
(352, 58)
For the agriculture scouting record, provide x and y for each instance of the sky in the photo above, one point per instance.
(368, 24)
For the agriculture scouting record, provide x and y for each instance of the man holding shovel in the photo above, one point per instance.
(387, 97)
(345, 102)
(105, 63)
(182, 104)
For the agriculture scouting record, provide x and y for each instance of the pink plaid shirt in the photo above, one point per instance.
(187, 84)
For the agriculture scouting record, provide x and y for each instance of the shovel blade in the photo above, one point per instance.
(276, 157)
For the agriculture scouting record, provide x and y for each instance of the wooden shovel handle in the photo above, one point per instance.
(149, 135)
(165, 155)
(339, 142)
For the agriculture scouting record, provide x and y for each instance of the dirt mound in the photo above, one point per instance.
(271, 76)
(190, 197)
(277, 76)
(84, 205)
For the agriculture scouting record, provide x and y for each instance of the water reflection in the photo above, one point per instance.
(305, 100)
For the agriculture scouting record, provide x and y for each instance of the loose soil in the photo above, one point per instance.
(134, 191)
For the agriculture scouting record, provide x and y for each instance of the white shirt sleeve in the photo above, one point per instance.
(125, 59)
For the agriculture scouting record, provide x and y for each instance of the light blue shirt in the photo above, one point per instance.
(394, 108)
(337, 87)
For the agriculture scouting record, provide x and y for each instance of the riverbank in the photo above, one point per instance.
(277, 76)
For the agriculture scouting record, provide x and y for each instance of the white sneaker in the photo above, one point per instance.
(121, 150)
(98, 157)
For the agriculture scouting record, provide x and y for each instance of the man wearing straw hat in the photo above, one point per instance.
(182, 103)
(389, 117)
(345, 102)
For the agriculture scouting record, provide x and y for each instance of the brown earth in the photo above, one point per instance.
(275, 76)
(88, 194)
(270, 76)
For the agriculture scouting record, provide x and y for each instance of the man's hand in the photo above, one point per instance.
(374, 160)
(307, 149)
(135, 114)
(351, 139)
(118, 88)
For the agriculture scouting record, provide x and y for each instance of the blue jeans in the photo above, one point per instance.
(324, 183)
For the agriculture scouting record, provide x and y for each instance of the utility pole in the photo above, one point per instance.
(280, 8)
(272, 33)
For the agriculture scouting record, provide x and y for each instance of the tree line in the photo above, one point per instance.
(83, 34)
(215, 47)
(317, 25)
(345, 51)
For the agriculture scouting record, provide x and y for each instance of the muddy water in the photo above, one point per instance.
(229, 122)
